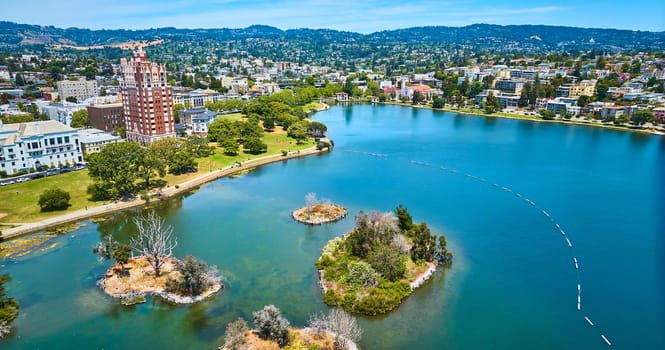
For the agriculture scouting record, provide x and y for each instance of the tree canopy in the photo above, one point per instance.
(80, 119)
(54, 199)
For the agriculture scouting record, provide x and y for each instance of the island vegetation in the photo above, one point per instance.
(316, 212)
(155, 270)
(336, 330)
(372, 268)
(8, 307)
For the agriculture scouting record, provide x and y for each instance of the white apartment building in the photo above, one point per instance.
(25, 146)
(81, 89)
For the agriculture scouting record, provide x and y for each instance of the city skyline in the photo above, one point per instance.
(366, 17)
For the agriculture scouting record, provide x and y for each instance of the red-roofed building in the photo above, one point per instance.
(423, 90)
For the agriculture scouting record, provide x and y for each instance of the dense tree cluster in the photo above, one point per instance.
(374, 258)
(124, 168)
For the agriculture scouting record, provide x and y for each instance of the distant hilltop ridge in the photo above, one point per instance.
(473, 36)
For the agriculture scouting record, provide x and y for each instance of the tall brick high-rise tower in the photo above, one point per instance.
(147, 100)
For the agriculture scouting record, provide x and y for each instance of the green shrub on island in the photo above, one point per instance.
(270, 324)
(194, 278)
(8, 308)
(371, 270)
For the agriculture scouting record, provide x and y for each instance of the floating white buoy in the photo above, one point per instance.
(576, 265)
(569, 244)
(605, 339)
(588, 320)
(546, 213)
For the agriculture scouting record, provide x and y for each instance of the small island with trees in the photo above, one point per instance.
(317, 212)
(336, 330)
(377, 264)
(155, 271)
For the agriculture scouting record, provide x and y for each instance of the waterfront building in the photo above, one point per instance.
(659, 114)
(509, 85)
(584, 88)
(27, 146)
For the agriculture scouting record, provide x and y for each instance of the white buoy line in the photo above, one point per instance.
(546, 214)
(372, 154)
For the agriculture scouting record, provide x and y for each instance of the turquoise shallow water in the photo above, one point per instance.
(513, 283)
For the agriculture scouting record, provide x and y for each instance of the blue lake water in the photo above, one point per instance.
(513, 283)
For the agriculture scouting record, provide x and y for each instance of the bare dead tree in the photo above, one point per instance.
(400, 243)
(340, 323)
(154, 241)
(310, 201)
(383, 225)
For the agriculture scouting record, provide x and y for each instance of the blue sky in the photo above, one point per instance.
(364, 16)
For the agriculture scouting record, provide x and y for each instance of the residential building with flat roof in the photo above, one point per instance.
(26, 146)
(509, 85)
(80, 89)
(106, 117)
(197, 120)
(659, 114)
(93, 140)
(196, 98)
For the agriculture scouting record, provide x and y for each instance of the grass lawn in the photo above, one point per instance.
(19, 201)
(276, 141)
(232, 116)
(312, 107)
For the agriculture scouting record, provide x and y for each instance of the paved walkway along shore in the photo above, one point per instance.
(165, 193)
